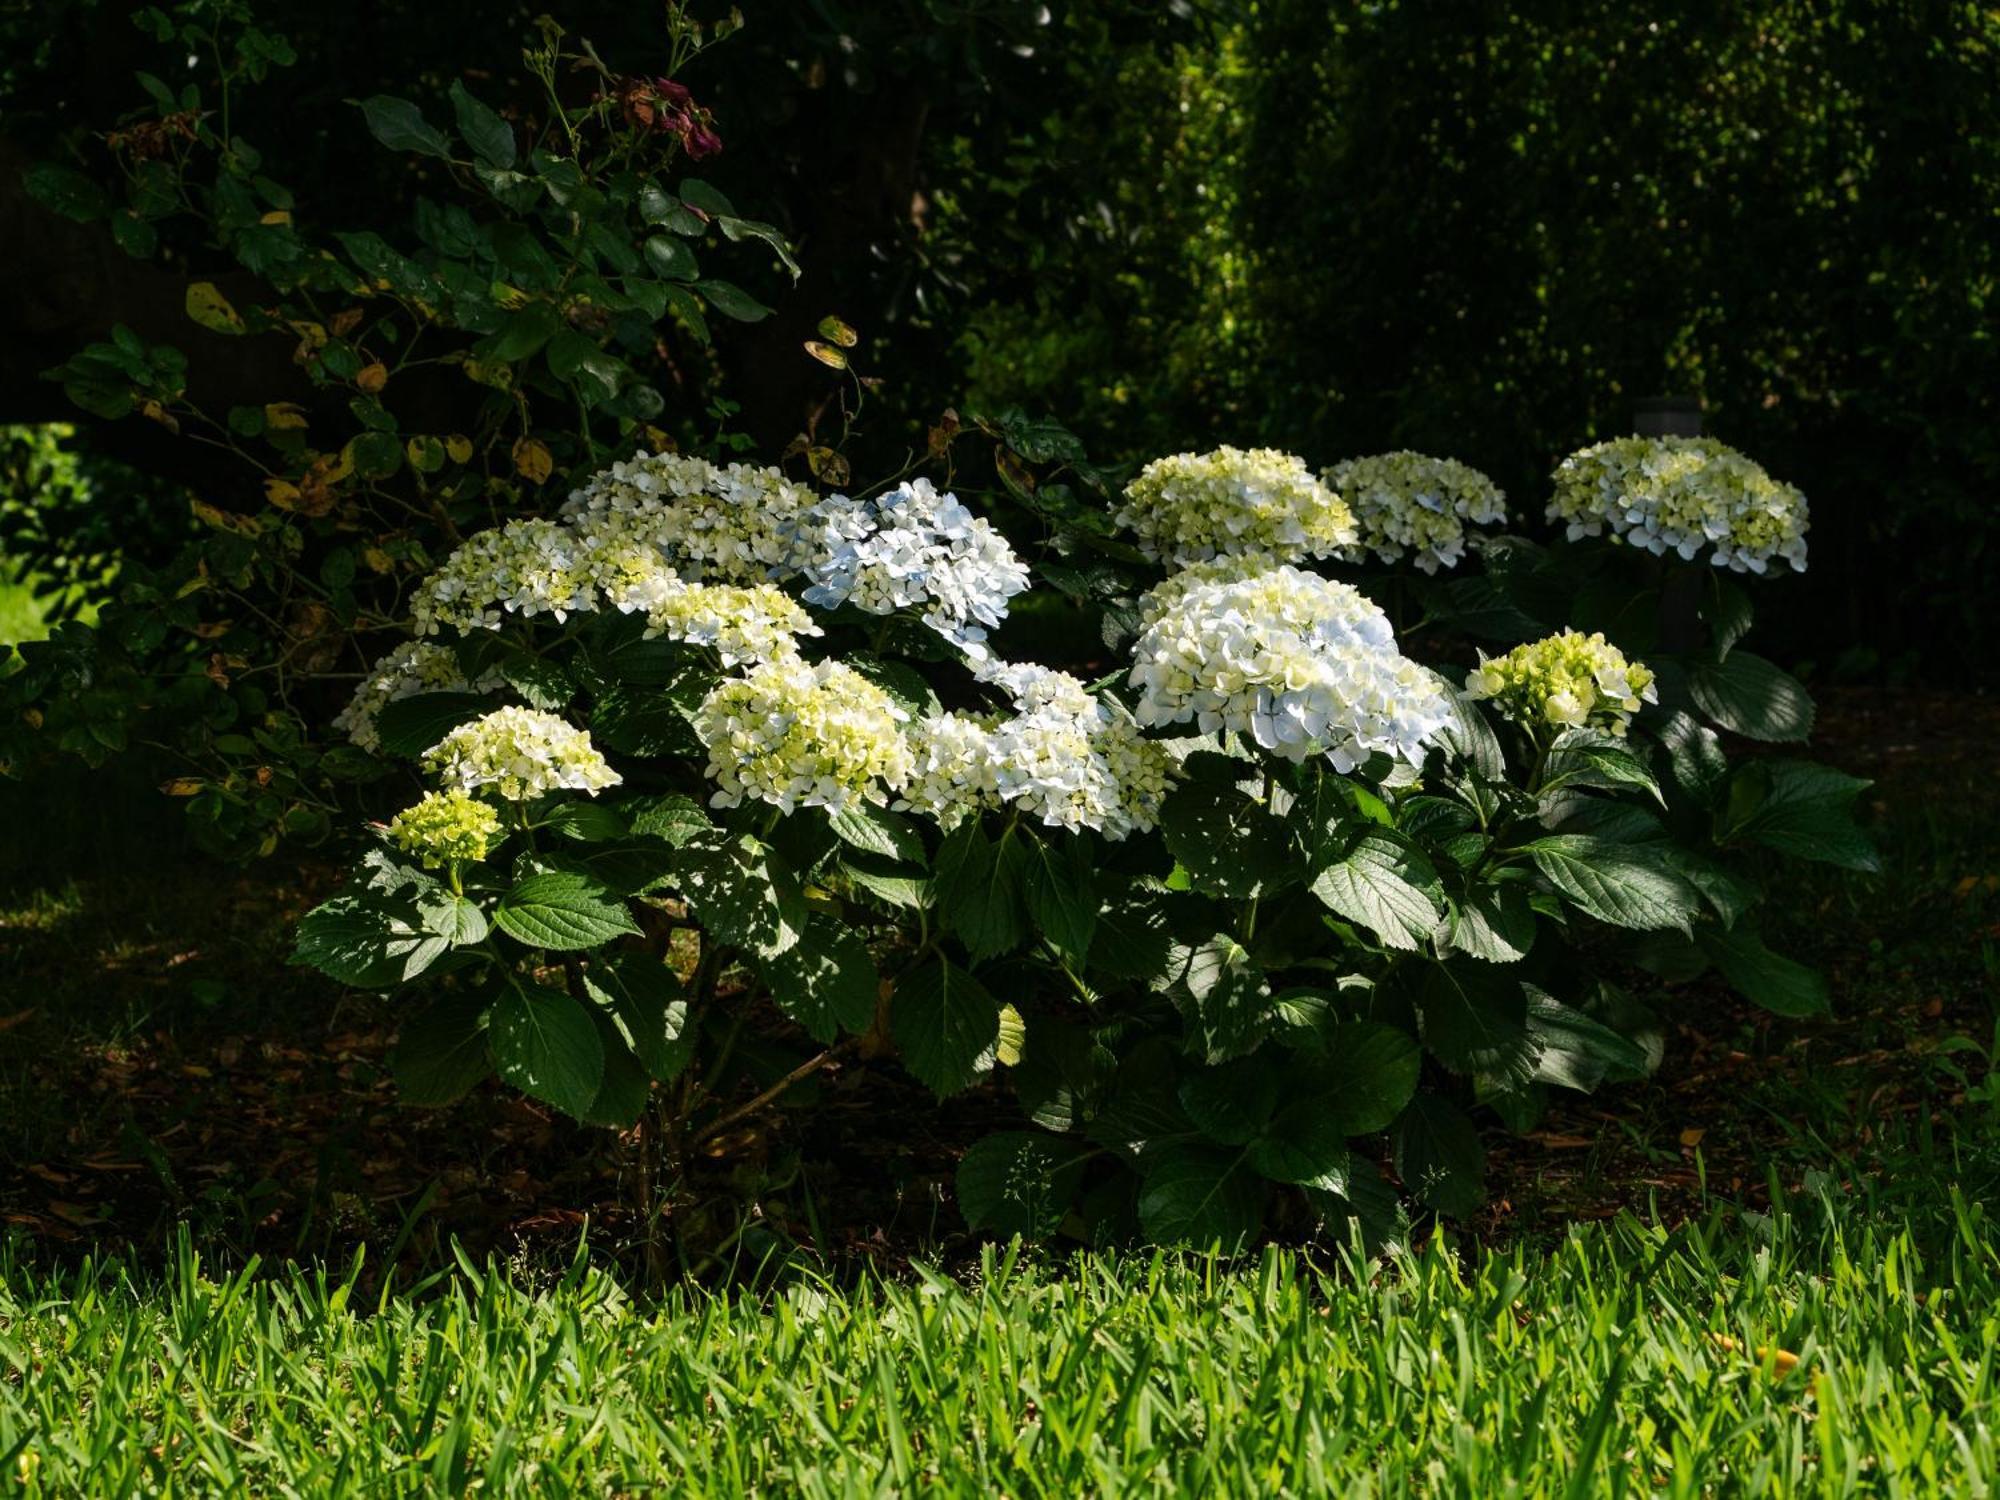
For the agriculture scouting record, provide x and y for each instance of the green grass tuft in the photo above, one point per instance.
(1624, 1358)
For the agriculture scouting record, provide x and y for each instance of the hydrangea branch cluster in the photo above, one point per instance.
(800, 735)
(912, 547)
(1564, 681)
(1682, 494)
(1234, 502)
(1295, 662)
(519, 754)
(444, 828)
(1406, 502)
(1069, 759)
(412, 668)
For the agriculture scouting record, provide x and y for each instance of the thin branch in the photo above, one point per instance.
(805, 1069)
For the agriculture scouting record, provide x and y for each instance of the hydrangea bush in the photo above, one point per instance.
(718, 781)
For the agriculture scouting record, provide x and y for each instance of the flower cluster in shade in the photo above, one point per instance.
(1409, 503)
(444, 828)
(1234, 502)
(912, 548)
(700, 550)
(412, 668)
(1295, 663)
(794, 734)
(518, 754)
(1564, 681)
(1063, 756)
(1684, 495)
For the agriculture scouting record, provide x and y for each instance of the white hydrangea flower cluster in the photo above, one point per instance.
(912, 547)
(1407, 502)
(800, 735)
(1068, 758)
(736, 524)
(1682, 494)
(1231, 502)
(529, 567)
(412, 668)
(519, 753)
(1295, 662)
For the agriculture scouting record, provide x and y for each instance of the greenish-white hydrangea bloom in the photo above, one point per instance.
(1295, 663)
(795, 735)
(1682, 494)
(412, 668)
(448, 827)
(1410, 503)
(1564, 681)
(735, 523)
(518, 754)
(1064, 756)
(1234, 502)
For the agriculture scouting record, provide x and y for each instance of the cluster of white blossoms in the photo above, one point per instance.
(1069, 759)
(735, 524)
(798, 735)
(912, 547)
(1563, 681)
(1234, 502)
(1682, 494)
(1407, 502)
(527, 568)
(1296, 663)
(519, 753)
(412, 668)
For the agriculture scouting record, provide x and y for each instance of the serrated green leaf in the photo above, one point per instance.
(1752, 697)
(1230, 845)
(825, 981)
(410, 726)
(547, 1046)
(1627, 885)
(1800, 808)
(644, 1000)
(1777, 983)
(1200, 1196)
(366, 942)
(743, 891)
(1474, 1020)
(876, 831)
(400, 125)
(1062, 895)
(562, 911)
(978, 886)
(945, 1024)
(441, 1051)
(1438, 1155)
(490, 137)
(1383, 884)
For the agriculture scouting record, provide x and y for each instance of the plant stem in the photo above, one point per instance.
(804, 1070)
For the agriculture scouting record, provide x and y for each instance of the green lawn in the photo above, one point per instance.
(1623, 1358)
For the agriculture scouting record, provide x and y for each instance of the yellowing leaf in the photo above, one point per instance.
(153, 411)
(284, 416)
(211, 309)
(533, 460)
(183, 786)
(377, 560)
(459, 446)
(1691, 1137)
(1013, 1036)
(499, 375)
(371, 378)
(277, 216)
(221, 520)
(836, 331)
(281, 493)
(826, 354)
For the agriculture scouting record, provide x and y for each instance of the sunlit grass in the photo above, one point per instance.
(1818, 1353)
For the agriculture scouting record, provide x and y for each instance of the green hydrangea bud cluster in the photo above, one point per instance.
(1564, 681)
(445, 828)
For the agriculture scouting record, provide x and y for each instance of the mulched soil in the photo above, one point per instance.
(278, 1130)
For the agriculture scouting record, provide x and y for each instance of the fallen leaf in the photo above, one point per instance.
(1691, 1137)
